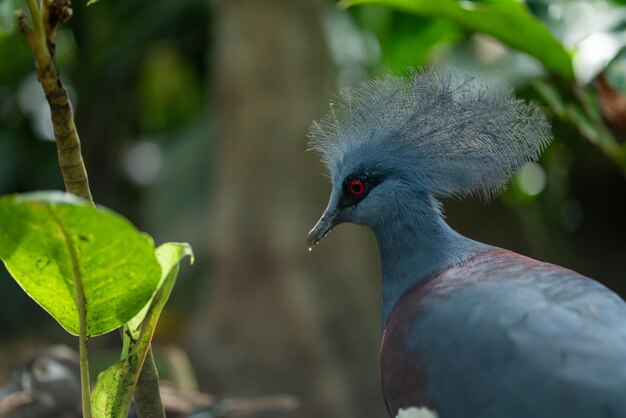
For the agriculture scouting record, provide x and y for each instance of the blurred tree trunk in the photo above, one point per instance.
(271, 323)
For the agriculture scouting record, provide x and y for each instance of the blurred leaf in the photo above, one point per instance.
(407, 40)
(168, 255)
(550, 95)
(581, 108)
(7, 16)
(508, 21)
(582, 122)
(114, 388)
(50, 240)
(168, 102)
(15, 57)
(414, 45)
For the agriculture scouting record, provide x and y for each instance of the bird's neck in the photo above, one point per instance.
(415, 246)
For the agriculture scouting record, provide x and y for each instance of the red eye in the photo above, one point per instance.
(356, 187)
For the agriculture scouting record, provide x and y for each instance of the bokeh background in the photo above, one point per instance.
(193, 116)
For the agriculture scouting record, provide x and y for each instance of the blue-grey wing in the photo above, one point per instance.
(542, 342)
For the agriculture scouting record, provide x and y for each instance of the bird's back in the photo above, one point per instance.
(502, 335)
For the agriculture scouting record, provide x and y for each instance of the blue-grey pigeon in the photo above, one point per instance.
(469, 330)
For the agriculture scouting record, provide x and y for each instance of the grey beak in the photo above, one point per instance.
(321, 228)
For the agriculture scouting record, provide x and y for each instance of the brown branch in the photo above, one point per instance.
(42, 41)
(56, 11)
(26, 31)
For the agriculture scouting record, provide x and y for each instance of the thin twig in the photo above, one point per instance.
(28, 33)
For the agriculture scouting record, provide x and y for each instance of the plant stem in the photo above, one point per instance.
(70, 158)
(85, 385)
(83, 354)
(147, 395)
(42, 42)
(578, 109)
(603, 137)
(36, 17)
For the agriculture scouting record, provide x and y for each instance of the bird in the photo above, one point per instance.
(469, 330)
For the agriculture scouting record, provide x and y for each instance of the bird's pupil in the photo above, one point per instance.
(357, 187)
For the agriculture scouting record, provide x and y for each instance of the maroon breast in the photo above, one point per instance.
(404, 377)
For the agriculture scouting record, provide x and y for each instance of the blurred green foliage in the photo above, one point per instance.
(508, 21)
(136, 74)
(167, 101)
(139, 74)
(7, 16)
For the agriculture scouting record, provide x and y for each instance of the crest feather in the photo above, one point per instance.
(458, 134)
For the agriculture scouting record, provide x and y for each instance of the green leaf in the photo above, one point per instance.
(168, 255)
(115, 386)
(7, 16)
(53, 244)
(508, 21)
(113, 393)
